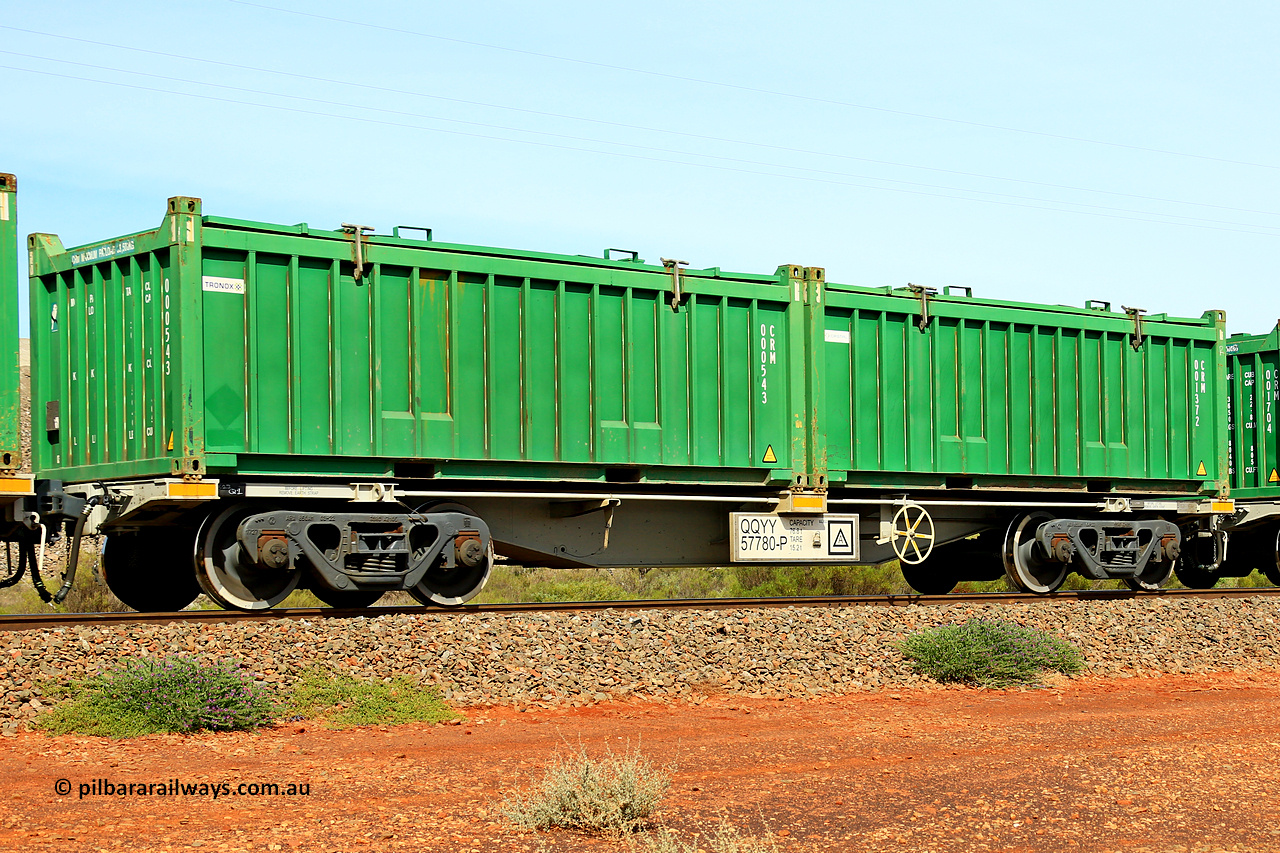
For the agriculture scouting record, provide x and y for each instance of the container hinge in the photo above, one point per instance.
(1136, 315)
(357, 231)
(677, 286)
(923, 293)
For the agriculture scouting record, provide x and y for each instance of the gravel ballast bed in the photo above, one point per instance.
(555, 658)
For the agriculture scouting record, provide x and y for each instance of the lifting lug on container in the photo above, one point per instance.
(677, 288)
(395, 232)
(923, 293)
(1136, 315)
(357, 231)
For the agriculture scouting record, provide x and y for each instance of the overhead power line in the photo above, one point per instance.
(606, 122)
(744, 88)
(1168, 220)
(589, 140)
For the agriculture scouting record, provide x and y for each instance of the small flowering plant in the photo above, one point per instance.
(990, 653)
(171, 695)
(184, 695)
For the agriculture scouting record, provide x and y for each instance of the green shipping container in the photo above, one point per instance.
(1253, 381)
(937, 390)
(227, 347)
(10, 440)
(232, 348)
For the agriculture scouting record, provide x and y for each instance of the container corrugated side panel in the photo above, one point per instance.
(10, 441)
(490, 364)
(106, 348)
(1253, 378)
(1021, 395)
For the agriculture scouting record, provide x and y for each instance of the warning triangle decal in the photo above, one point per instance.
(840, 541)
(1274, 478)
(769, 455)
(1201, 472)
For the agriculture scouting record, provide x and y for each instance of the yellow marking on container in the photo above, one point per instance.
(193, 490)
(1200, 472)
(1274, 478)
(769, 455)
(1222, 506)
(19, 485)
(170, 447)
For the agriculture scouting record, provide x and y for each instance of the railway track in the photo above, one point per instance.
(34, 621)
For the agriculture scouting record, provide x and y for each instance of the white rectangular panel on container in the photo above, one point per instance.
(761, 537)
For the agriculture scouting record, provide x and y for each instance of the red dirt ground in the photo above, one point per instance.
(1161, 764)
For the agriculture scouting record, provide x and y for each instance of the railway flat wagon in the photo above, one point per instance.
(359, 413)
(355, 413)
(13, 483)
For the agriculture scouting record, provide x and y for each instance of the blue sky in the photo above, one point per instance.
(1050, 153)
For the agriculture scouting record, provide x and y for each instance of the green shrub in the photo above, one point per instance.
(992, 653)
(344, 701)
(612, 795)
(173, 695)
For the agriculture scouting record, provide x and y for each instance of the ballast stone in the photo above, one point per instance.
(546, 659)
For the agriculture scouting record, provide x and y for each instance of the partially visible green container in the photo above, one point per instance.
(238, 348)
(1253, 406)
(946, 390)
(11, 457)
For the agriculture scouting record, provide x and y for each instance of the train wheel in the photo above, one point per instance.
(1154, 576)
(149, 571)
(976, 558)
(933, 580)
(1271, 561)
(1196, 577)
(1248, 550)
(450, 587)
(1191, 569)
(224, 573)
(1026, 567)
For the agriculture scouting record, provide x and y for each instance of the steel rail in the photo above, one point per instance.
(34, 621)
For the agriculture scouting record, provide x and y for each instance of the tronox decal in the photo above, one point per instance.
(217, 284)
